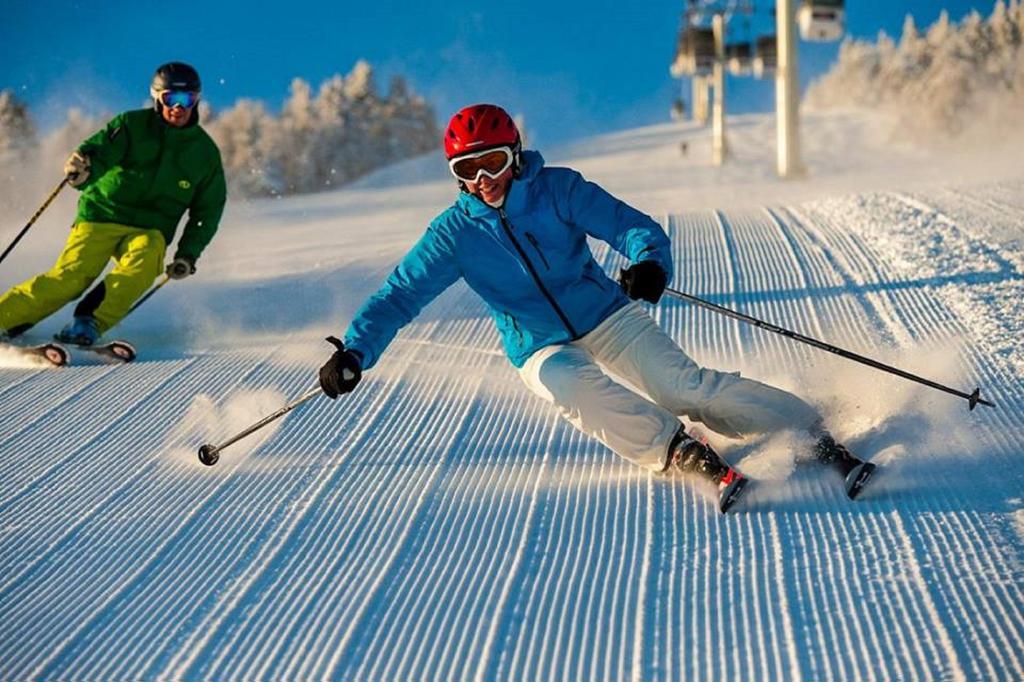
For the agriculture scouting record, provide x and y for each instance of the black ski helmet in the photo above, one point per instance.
(175, 76)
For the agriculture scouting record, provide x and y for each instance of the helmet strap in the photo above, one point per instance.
(517, 159)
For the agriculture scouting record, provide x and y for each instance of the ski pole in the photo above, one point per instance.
(156, 287)
(34, 218)
(973, 399)
(209, 453)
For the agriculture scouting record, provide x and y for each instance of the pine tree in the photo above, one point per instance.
(365, 115)
(938, 33)
(247, 137)
(61, 142)
(953, 80)
(17, 131)
(297, 140)
(1005, 43)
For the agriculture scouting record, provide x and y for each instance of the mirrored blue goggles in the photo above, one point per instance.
(179, 98)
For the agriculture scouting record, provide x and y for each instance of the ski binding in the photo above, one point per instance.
(730, 489)
(857, 478)
(119, 351)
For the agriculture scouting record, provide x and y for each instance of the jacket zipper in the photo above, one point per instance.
(536, 245)
(533, 272)
(159, 162)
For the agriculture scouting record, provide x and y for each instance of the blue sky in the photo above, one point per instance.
(571, 67)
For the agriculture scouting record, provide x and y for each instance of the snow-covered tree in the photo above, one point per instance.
(65, 139)
(297, 139)
(952, 79)
(348, 129)
(17, 131)
(207, 115)
(247, 137)
(939, 32)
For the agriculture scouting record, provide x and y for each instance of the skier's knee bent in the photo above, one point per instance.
(741, 407)
(72, 280)
(45, 293)
(563, 377)
(726, 402)
(688, 389)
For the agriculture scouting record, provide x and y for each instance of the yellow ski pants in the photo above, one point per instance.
(138, 255)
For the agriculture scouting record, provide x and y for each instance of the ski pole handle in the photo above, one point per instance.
(209, 453)
(34, 218)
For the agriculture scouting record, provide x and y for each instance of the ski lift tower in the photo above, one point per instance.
(820, 21)
(695, 57)
(787, 94)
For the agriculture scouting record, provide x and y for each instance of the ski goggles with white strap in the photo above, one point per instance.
(490, 162)
(175, 98)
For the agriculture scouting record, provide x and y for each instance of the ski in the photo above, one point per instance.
(855, 471)
(53, 354)
(857, 477)
(120, 351)
(730, 489)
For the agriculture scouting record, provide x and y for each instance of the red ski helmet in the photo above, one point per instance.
(477, 127)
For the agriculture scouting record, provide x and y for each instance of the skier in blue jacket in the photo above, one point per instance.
(517, 233)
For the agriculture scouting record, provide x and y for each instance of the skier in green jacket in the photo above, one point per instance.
(138, 177)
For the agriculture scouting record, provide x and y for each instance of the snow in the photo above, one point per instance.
(443, 522)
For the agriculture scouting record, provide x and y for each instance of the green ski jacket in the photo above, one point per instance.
(146, 173)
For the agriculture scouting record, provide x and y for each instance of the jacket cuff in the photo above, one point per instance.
(366, 360)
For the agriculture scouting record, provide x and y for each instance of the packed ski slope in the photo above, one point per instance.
(443, 522)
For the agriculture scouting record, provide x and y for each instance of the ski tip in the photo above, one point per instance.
(731, 489)
(56, 354)
(44, 355)
(858, 478)
(208, 455)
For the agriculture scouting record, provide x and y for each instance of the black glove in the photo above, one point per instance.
(342, 372)
(644, 280)
(181, 268)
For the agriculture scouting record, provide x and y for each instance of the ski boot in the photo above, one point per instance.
(689, 455)
(82, 331)
(856, 472)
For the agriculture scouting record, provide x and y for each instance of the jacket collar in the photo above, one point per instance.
(515, 200)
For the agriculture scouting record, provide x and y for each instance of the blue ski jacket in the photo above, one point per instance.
(529, 261)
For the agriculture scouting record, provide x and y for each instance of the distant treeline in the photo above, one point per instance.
(341, 133)
(949, 80)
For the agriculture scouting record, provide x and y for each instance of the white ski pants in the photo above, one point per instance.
(632, 346)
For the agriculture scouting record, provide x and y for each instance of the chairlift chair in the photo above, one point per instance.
(682, 64)
(700, 50)
(765, 57)
(737, 58)
(821, 20)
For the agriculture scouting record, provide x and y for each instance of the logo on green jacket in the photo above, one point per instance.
(184, 184)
